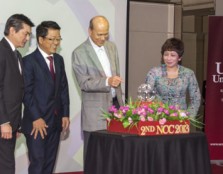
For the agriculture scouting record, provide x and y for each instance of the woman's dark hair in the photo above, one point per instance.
(16, 21)
(42, 29)
(173, 44)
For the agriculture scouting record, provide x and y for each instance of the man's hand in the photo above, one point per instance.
(114, 81)
(6, 131)
(65, 123)
(39, 126)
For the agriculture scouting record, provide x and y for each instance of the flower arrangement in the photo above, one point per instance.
(133, 112)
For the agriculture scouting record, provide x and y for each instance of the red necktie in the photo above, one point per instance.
(52, 72)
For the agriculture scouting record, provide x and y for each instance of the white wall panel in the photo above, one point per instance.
(73, 16)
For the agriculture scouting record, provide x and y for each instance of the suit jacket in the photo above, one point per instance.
(11, 86)
(96, 96)
(43, 97)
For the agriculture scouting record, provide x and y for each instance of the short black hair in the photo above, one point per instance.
(173, 44)
(16, 21)
(42, 29)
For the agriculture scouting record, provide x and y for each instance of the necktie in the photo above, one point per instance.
(52, 72)
(19, 59)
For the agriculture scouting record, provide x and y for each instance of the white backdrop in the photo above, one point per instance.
(73, 16)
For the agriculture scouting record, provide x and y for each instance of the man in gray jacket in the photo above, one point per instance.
(96, 66)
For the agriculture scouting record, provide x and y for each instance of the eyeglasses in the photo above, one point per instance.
(53, 39)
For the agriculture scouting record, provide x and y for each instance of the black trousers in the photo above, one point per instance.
(87, 134)
(42, 152)
(86, 138)
(115, 102)
(7, 158)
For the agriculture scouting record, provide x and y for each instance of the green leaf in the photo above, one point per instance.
(125, 124)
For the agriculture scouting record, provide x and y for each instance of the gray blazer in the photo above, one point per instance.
(96, 96)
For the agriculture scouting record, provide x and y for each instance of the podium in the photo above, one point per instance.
(116, 153)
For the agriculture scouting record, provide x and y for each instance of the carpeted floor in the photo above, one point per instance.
(216, 169)
(71, 173)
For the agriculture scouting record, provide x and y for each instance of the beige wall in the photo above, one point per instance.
(218, 7)
(150, 25)
(195, 38)
(197, 4)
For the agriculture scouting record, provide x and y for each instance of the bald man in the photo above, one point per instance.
(96, 66)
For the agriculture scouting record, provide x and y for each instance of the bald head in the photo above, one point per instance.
(99, 30)
(98, 20)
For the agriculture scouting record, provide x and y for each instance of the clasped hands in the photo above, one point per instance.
(114, 81)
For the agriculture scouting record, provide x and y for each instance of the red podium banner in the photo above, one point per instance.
(145, 128)
(214, 88)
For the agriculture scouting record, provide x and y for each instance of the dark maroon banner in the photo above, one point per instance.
(214, 88)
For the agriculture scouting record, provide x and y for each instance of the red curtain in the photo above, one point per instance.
(214, 88)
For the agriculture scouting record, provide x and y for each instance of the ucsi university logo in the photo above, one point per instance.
(218, 78)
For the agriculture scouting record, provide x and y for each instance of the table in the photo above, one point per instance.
(115, 153)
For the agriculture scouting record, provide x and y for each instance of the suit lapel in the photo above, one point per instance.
(110, 55)
(16, 63)
(43, 65)
(19, 60)
(12, 57)
(94, 58)
(58, 72)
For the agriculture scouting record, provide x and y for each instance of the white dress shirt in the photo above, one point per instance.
(104, 60)
(46, 59)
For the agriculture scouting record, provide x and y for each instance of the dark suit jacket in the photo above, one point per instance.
(11, 86)
(42, 95)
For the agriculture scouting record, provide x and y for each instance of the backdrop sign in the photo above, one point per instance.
(214, 88)
(73, 17)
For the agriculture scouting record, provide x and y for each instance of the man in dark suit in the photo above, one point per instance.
(96, 67)
(46, 99)
(17, 32)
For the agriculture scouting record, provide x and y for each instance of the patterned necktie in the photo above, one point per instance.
(52, 72)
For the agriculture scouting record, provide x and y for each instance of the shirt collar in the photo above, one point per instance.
(45, 55)
(96, 48)
(10, 43)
